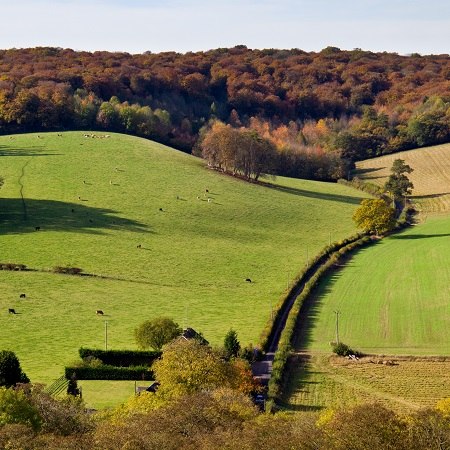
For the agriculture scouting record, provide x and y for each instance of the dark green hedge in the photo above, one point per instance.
(304, 275)
(121, 358)
(106, 372)
(284, 346)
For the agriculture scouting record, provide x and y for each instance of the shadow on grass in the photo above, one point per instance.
(29, 151)
(312, 194)
(19, 215)
(424, 197)
(419, 236)
(312, 307)
(300, 383)
(367, 170)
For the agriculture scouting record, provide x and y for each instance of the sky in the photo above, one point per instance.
(136, 26)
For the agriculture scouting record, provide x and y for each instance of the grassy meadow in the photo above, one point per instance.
(431, 176)
(96, 199)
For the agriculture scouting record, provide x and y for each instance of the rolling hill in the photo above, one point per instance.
(96, 199)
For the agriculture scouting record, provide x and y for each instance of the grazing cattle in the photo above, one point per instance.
(99, 312)
(209, 200)
(79, 198)
(198, 198)
(206, 190)
(12, 311)
(59, 135)
(73, 210)
(248, 280)
(37, 228)
(161, 209)
(139, 246)
(22, 296)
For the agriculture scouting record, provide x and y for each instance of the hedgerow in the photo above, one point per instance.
(106, 372)
(284, 346)
(121, 358)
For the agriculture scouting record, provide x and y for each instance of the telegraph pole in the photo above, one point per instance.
(337, 325)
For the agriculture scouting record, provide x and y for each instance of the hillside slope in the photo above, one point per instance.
(95, 200)
(431, 176)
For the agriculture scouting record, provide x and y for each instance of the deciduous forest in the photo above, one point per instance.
(316, 113)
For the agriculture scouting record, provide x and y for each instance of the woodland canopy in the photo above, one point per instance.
(321, 111)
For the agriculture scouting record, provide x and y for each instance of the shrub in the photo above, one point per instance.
(106, 372)
(341, 349)
(12, 266)
(67, 270)
(121, 358)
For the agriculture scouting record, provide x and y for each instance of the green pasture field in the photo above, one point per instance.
(431, 176)
(392, 297)
(96, 199)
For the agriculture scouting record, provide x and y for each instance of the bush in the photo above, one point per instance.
(121, 358)
(341, 349)
(67, 270)
(12, 266)
(106, 372)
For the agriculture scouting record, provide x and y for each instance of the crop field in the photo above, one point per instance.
(95, 200)
(320, 381)
(431, 176)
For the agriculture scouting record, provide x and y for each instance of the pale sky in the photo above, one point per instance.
(135, 26)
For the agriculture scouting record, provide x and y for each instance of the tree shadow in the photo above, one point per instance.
(311, 308)
(36, 150)
(300, 372)
(419, 236)
(367, 170)
(19, 215)
(423, 197)
(312, 194)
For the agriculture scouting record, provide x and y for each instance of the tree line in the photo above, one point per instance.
(321, 110)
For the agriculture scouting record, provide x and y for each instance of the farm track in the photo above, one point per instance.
(263, 369)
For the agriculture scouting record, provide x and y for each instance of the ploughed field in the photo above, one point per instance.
(431, 176)
(136, 214)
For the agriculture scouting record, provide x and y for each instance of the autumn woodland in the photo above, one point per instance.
(316, 112)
